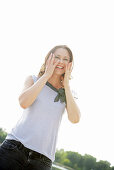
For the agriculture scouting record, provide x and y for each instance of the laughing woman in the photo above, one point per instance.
(31, 144)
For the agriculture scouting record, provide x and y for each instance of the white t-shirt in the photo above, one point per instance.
(38, 127)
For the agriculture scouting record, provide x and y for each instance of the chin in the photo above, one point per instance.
(60, 73)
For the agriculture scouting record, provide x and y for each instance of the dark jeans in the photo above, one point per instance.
(14, 156)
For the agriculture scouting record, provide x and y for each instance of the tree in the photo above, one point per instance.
(74, 158)
(102, 165)
(89, 162)
(60, 156)
(3, 135)
(66, 162)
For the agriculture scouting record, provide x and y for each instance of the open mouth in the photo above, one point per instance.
(59, 67)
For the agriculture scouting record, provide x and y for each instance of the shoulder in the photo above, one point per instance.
(28, 82)
(29, 79)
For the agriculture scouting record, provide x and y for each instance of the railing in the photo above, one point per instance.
(57, 166)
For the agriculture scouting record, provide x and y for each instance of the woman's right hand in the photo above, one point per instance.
(50, 65)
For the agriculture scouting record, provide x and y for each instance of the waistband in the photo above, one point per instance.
(32, 154)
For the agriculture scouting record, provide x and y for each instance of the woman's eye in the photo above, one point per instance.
(59, 58)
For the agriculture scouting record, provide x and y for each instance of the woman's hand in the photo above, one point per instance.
(65, 80)
(50, 65)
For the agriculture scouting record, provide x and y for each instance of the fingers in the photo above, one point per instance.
(56, 63)
(52, 59)
(68, 66)
(49, 59)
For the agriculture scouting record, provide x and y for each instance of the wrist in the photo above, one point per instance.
(46, 76)
(67, 86)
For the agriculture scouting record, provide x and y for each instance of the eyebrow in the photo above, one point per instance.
(60, 55)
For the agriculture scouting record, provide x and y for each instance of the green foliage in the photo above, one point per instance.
(102, 165)
(66, 162)
(3, 134)
(89, 162)
(74, 158)
(76, 161)
(60, 156)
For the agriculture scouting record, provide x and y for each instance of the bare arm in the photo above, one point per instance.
(31, 90)
(72, 108)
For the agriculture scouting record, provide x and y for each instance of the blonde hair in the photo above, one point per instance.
(42, 69)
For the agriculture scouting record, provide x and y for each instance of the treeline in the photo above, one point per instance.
(76, 161)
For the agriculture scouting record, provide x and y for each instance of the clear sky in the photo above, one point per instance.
(29, 29)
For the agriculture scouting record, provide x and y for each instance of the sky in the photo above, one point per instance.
(28, 30)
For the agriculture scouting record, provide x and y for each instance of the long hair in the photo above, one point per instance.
(42, 69)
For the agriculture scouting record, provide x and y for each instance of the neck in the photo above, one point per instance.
(55, 80)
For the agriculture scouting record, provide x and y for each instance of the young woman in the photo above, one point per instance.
(31, 144)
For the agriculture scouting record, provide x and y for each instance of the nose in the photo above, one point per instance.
(61, 60)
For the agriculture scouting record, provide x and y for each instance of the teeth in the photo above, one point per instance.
(59, 67)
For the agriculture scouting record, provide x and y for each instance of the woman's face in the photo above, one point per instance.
(63, 57)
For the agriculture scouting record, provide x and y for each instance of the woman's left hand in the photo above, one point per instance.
(65, 80)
